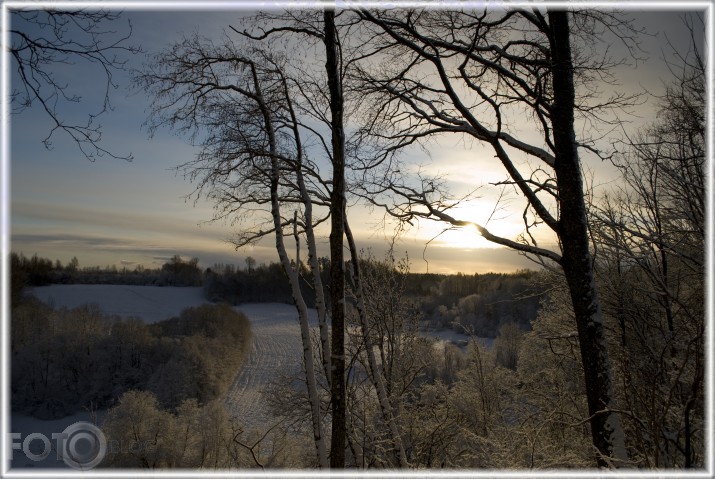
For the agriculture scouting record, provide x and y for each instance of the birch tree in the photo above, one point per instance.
(473, 73)
(340, 55)
(235, 103)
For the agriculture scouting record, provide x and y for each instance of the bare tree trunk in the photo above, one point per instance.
(337, 218)
(606, 429)
(295, 286)
(317, 279)
(310, 239)
(194, 72)
(377, 377)
(303, 319)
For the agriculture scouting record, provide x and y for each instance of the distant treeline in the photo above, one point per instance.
(481, 303)
(36, 271)
(255, 284)
(66, 360)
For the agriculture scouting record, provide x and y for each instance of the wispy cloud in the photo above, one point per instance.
(101, 250)
(87, 242)
(71, 217)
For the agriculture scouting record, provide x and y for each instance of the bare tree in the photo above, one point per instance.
(473, 73)
(310, 26)
(224, 126)
(378, 371)
(42, 42)
(506, 345)
(337, 233)
(651, 240)
(250, 263)
(236, 102)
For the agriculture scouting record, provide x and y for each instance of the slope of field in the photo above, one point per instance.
(275, 353)
(150, 303)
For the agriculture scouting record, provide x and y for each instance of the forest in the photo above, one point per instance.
(64, 361)
(598, 358)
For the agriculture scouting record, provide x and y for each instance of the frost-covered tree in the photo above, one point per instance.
(651, 259)
(239, 104)
(474, 73)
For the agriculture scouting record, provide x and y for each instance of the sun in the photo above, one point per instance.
(440, 234)
(463, 238)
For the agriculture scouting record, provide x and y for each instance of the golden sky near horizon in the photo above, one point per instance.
(124, 213)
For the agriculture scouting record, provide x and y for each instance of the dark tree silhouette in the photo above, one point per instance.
(41, 42)
(337, 232)
(473, 73)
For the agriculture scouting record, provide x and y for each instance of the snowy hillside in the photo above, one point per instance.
(150, 303)
(276, 349)
(275, 353)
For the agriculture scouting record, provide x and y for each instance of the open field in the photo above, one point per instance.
(275, 352)
(150, 303)
(276, 349)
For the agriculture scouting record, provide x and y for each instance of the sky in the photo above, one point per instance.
(116, 212)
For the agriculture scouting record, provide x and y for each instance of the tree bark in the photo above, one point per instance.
(337, 219)
(606, 429)
(310, 239)
(292, 274)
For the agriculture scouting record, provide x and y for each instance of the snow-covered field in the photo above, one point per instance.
(150, 303)
(276, 351)
(276, 354)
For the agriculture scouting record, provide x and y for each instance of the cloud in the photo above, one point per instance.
(99, 236)
(98, 250)
(74, 240)
(81, 245)
(70, 217)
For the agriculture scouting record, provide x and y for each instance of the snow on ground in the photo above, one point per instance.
(276, 350)
(150, 303)
(276, 353)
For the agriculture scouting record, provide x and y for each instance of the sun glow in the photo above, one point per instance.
(500, 222)
(503, 222)
(462, 238)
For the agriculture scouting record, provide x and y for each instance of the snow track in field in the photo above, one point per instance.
(276, 354)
